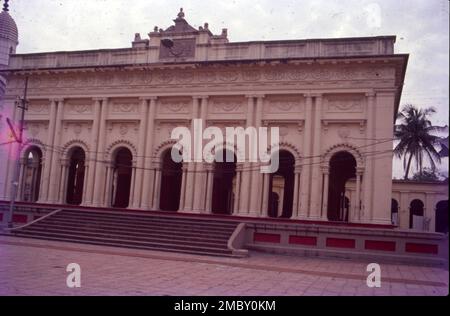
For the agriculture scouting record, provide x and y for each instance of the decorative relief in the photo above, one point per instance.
(77, 128)
(344, 132)
(125, 108)
(175, 107)
(227, 106)
(218, 75)
(344, 105)
(80, 108)
(38, 108)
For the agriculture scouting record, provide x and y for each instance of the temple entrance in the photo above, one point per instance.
(75, 181)
(394, 212)
(282, 186)
(123, 170)
(171, 176)
(342, 168)
(442, 217)
(31, 178)
(224, 174)
(416, 214)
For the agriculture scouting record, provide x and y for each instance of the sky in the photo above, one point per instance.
(421, 27)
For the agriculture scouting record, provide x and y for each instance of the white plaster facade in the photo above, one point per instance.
(326, 95)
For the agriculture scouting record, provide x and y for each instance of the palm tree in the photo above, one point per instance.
(416, 141)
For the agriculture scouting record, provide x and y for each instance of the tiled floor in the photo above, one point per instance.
(36, 267)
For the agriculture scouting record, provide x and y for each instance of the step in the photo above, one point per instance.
(140, 232)
(147, 218)
(119, 241)
(201, 242)
(100, 243)
(133, 226)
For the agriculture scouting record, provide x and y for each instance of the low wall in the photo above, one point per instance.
(385, 245)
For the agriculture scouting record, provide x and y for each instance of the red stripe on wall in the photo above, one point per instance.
(303, 240)
(379, 245)
(341, 243)
(17, 218)
(263, 237)
(421, 248)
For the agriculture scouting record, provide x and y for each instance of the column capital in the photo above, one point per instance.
(251, 96)
(317, 95)
(64, 162)
(197, 97)
(371, 94)
(57, 100)
(360, 171)
(308, 95)
(325, 169)
(98, 99)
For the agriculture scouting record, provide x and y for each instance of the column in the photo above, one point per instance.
(190, 179)
(136, 198)
(20, 189)
(246, 172)
(326, 177)
(295, 204)
(157, 186)
(209, 187)
(64, 171)
(183, 186)
(237, 195)
(306, 171)
(256, 182)
(100, 156)
(87, 168)
(266, 193)
(132, 183)
(149, 174)
(200, 177)
(316, 179)
(368, 177)
(92, 155)
(55, 168)
(357, 207)
(47, 162)
(109, 175)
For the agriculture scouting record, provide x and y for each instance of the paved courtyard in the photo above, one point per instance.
(36, 267)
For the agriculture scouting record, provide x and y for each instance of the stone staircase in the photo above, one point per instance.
(171, 232)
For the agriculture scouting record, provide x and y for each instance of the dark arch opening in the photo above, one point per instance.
(415, 209)
(31, 178)
(442, 217)
(224, 173)
(342, 168)
(285, 176)
(75, 179)
(394, 212)
(171, 176)
(123, 170)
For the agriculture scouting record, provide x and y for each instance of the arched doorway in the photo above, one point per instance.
(342, 168)
(442, 217)
(224, 174)
(75, 179)
(171, 176)
(282, 184)
(394, 212)
(31, 175)
(123, 170)
(416, 214)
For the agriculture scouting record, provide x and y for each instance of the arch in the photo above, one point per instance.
(32, 158)
(31, 143)
(223, 182)
(114, 146)
(75, 179)
(394, 212)
(416, 210)
(283, 179)
(353, 150)
(122, 173)
(442, 217)
(170, 185)
(286, 146)
(68, 147)
(162, 148)
(342, 165)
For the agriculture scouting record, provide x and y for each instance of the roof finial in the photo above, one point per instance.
(181, 14)
(6, 6)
